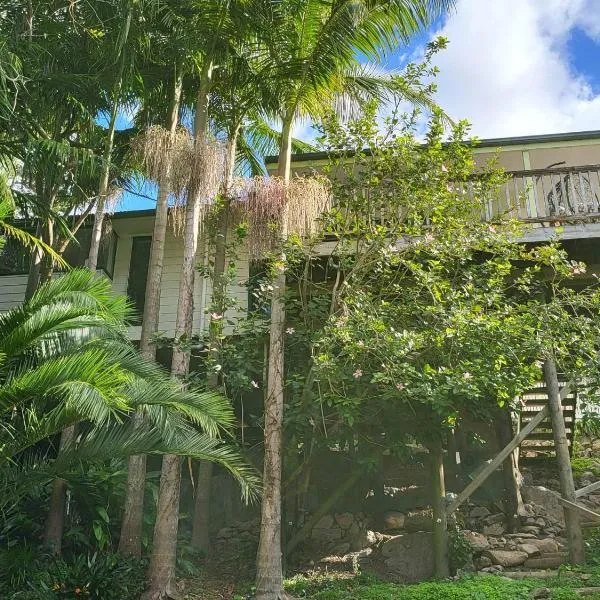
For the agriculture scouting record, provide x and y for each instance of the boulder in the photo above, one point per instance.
(341, 549)
(477, 540)
(479, 512)
(409, 557)
(333, 534)
(530, 529)
(324, 522)
(421, 520)
(546, 545)
(344, 520)
(547, 499)
(394, 519)
(530, 549)
(493, 519)
(547, 561)
(494, 529)
(506, 558)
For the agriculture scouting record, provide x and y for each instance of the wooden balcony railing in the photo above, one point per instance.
(549, 195)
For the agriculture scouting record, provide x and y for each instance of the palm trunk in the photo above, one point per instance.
(56, 515)
(269, 568)
(33, 277)
(201, 521)
(130, 540)
(107, 157)
(161, 572)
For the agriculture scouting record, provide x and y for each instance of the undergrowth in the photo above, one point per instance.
(365, 587)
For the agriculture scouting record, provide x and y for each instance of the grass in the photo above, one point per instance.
(364, 587)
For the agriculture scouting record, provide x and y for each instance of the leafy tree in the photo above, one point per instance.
(439, 316)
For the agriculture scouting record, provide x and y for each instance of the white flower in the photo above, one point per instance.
(290, 330)
(254, 384)
(467, 375)
(358, 373)
(400, 386)
(360, 344)
(216, 316)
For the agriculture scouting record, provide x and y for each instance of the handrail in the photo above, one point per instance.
(553, 171)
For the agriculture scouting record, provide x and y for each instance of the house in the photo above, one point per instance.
(558, 175)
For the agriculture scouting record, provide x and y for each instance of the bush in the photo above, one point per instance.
(95, 577)
(581, 465)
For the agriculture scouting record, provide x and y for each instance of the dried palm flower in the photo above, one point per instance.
(202, 166)
(274, 208)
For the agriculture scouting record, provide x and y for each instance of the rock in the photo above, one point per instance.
(527, 478)
(546, 545)
(506, 558)
(530, 549)
(495, 529)
(477, 540)
(324, 522)
(479, 512)
(409, 557)
(360, 554)
(530, 529)
(344, 520)
(519, 536)
(546, 561)
(419, 521)
(493, 519)
(483, 562)
(547, 499)
(341, 549)
(394, 519)
(332, 534)
(526, 510)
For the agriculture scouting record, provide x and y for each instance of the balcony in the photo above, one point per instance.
(556, 196)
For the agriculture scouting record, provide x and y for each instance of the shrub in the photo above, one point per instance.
(95, 577)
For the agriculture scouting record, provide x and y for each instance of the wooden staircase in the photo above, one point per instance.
(540, 443)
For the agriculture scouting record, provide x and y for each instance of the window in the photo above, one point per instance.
(138, 274)
(15, 258)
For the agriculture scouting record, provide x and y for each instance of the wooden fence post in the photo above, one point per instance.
(440, 526)
(563, 459)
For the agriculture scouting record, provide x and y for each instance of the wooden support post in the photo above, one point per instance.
(440, 528)
(512, 494)
(563, 459)
(497, 461)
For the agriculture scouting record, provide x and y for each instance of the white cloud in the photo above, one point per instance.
(507, 67)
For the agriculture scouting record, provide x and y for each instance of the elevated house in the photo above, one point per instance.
(554, 180)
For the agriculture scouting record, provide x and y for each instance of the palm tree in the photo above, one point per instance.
(313, 49)
(121, 55)
(65, 359)
(130, 541)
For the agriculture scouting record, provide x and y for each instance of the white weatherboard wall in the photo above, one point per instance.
(126, 229)
(12, 291)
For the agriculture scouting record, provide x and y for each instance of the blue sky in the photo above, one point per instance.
(513, 67)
